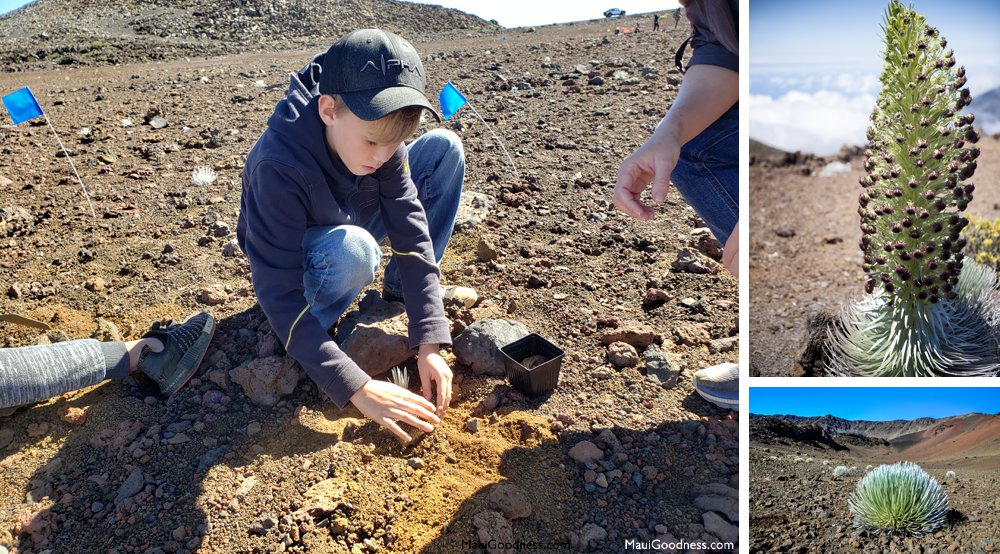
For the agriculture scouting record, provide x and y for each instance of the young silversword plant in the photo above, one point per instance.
(950, 474)
(840, 471)
(899, 498)
(400, 377)
(928, 311)
(202, 176)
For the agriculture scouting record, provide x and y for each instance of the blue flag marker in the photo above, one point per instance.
(451, 100)
(22, 106)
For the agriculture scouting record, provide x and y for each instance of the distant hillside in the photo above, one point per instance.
(923, 438)
(46, 33)
(986, 106)
(886, 430)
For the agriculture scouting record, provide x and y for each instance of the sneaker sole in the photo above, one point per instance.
(188, 369)
(728, 403)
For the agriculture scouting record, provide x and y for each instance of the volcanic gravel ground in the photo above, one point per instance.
(211, 472)
(799, 506)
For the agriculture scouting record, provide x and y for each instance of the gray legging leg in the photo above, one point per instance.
(35, 373)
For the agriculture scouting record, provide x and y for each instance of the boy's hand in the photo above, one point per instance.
(435, 376)
(388, 404)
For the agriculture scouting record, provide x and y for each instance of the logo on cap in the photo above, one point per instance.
(391, 62)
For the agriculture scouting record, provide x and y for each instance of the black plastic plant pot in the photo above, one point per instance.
(541, 377)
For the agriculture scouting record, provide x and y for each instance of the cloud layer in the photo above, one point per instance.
(818, 122)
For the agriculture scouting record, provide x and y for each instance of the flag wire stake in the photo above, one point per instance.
(71, 164)
(511, 160)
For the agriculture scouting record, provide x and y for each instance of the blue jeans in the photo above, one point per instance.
(342, 260)
(708, 174)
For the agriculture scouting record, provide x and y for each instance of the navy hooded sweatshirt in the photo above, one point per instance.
(291, 181)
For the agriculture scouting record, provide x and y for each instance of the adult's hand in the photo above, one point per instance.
(731, 252)
(388, 405)
(435, 376)
(653, 162)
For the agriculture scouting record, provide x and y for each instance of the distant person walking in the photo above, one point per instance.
(677, 17)
(696, 146)
(656, 22)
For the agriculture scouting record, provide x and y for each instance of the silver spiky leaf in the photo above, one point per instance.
(882, 336)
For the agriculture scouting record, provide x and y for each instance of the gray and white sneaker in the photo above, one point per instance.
(720, 385)
(184, 346)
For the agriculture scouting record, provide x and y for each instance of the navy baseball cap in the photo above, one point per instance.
(376, 73)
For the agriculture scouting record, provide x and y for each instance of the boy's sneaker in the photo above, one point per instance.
(184, 346)
(720, 385)
(450, 295)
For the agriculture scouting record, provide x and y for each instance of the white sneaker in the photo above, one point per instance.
(720, 385)
(453, 294)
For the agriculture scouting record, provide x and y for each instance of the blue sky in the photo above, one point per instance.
(874, 404)
(517, 13)
(10, 5)
(814, 65)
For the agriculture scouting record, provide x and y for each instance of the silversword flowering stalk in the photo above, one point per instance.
(929, 311)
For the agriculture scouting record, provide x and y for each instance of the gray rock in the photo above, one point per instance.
(601, 480)
(479, 345)
(472, 424)
(266, 380)
(607, 436)
(15, 221)
(473, 209)
(591, 534)
(267, 345)
(131, 486)
(705, 242)
(586, 452)
(622, 354)
(106, 331)
(231, 249)
(209, 458)
(719, 527)
(212, 296)
(493, 528)
(689, 261)
(376, 335)
(660, 370)
(727, 344)
(6, 436)
(220, 229)
(726, 505)
(486, 250)
(510, 499)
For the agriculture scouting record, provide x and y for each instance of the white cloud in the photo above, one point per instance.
(818, 122)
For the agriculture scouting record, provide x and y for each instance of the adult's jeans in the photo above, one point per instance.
(708, 174)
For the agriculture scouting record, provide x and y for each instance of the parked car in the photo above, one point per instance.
(614, 12)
